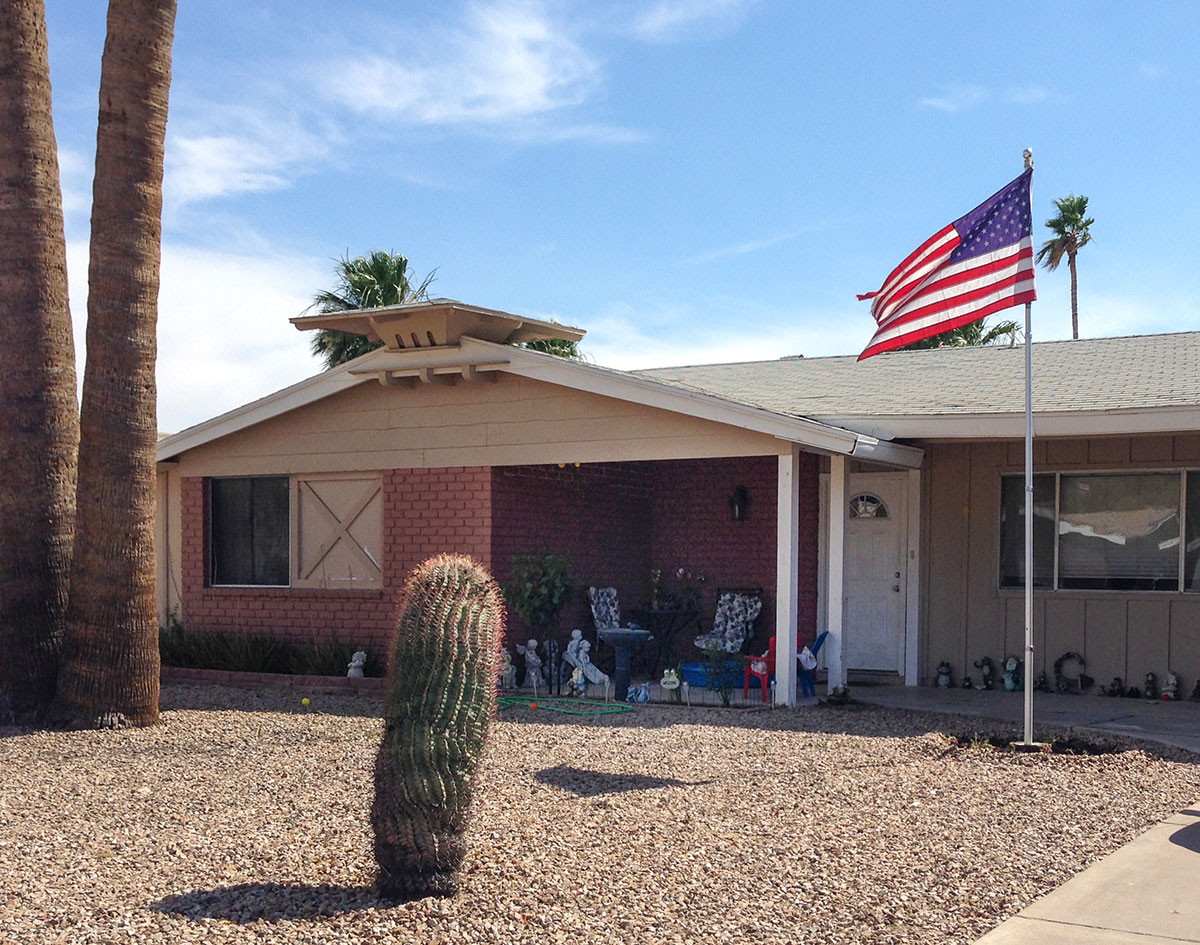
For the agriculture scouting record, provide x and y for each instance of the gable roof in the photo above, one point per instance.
(473, 356)
(1138, 383)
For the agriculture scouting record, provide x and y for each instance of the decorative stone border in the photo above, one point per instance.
(220, 677)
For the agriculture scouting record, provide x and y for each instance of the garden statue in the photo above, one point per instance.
(1041, 683)
(533, 665)
(441, 695)
(1151, 689)
(508, 672)
(1064, 683)
(968, 683)
(944, 678)
(1012, 674)
(670, 680)
(986, 670)
(357, 662)
(1170, 687)
(577, 684)
(591, 672)
(1116, 690)
(638, 693)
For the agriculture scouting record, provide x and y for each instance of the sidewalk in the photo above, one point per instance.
(1147, 892)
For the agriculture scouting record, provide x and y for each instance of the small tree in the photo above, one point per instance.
(538, 589)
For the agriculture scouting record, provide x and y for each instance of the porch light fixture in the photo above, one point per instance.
(739, 504)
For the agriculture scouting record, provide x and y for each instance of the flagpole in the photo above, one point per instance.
(1028, 742)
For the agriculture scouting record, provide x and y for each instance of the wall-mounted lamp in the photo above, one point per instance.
(739, 504)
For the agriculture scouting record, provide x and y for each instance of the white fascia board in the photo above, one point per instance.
(893, 454)
(307, 391)
(981, 426)
(580, 375)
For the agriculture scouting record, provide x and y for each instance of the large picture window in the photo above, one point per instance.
(1107, 532)
(249, 530)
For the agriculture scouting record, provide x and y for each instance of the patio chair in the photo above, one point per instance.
(733, 623)
(606, 612)
(808, 686)
(762, 669)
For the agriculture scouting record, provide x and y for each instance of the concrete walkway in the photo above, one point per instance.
(1147, 892)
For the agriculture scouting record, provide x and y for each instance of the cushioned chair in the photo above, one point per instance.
(733, 624)
(762, 669)
(606, 612)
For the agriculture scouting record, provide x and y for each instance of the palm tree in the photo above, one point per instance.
(377, 279)
(110, 661)
(39, 418)
(969, 335)
(1071, 234)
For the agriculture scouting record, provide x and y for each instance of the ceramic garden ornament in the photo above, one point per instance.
(944, 678)
(355, 667)
(533, 664)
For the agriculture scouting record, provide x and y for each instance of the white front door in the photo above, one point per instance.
(876, 571)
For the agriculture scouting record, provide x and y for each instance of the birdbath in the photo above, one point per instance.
(623, 640)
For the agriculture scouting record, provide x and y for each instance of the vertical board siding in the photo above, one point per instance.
(966, 615)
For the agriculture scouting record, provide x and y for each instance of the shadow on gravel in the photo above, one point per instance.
(584, 783)
(249, 902)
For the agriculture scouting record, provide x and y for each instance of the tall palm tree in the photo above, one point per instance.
(110, 662)
(969, 335)
(39, 418)
(1071, 234)
(377, 279)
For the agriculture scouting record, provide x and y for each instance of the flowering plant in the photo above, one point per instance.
(681, 592)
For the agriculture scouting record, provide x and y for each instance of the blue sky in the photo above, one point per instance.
(688, 180)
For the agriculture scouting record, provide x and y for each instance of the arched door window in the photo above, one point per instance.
(866, 505)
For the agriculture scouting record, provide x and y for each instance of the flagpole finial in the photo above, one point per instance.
(1028, 155)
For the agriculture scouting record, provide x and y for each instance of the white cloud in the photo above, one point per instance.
(223, 333)
(744, 248)
(509, 61)
(957, 99)
(673, 20)
(231, 149)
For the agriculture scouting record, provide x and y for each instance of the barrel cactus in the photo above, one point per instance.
(440, 700)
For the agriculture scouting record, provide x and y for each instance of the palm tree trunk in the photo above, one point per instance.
(39, 417)
(1074, 297)
(110, 667)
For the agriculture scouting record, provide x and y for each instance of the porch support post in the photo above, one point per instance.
(787, 577)
(836, 597)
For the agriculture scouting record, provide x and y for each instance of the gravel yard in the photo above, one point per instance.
(244, 818)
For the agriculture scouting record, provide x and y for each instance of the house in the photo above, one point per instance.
(302, 513)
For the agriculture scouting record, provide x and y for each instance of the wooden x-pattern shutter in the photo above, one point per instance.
(339, 531)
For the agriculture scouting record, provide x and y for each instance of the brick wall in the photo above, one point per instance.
(597, 515)
(425, 511)
(694, 529)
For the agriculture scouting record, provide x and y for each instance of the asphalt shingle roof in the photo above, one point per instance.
(1089, 374)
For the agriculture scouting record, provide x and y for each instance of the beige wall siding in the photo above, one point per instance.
(967, 616)
(512, 421)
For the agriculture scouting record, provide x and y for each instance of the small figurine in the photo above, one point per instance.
(355, 667)
(1170, 687)
(1012, 674)
(508, 672)
(533, 665)
(945, 679)
(1117, 689)
(638, 693)
(1151, 688)
(986, 671)
(670, 683)
(968, 682)
(1041, 683)
(1133, 692)
(577, 684)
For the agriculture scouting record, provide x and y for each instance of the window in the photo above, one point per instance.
(249, 529)
(1012, 531)
(1107, 532)
(867, 506)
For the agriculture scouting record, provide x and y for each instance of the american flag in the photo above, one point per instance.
(979, 264)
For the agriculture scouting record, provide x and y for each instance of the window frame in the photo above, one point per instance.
(1182, 473)
(209, 536)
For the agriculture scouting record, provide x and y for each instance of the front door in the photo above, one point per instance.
(876, 572)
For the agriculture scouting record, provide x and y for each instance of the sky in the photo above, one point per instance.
(691, 181)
